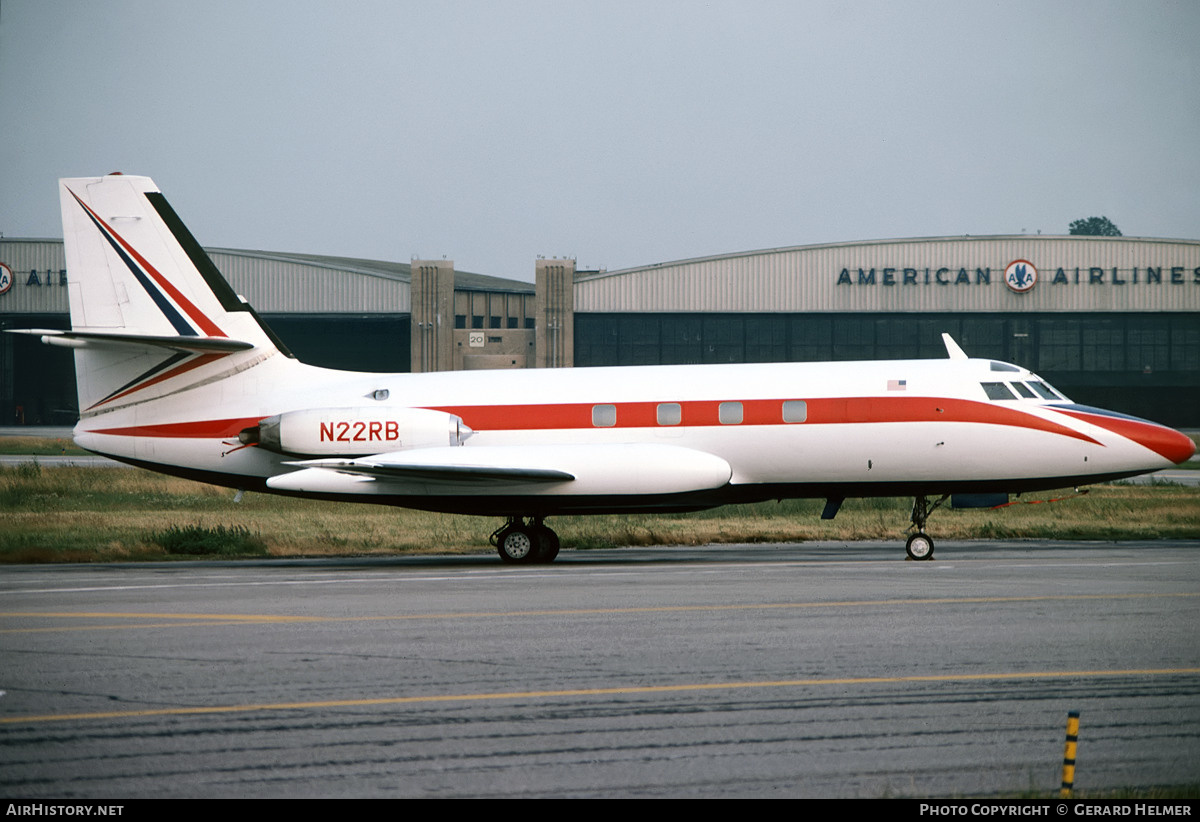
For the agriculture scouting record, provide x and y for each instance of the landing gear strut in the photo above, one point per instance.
(525, 540)
(920, 545)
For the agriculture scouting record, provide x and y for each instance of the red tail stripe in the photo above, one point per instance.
(203, 359)
(199, 317)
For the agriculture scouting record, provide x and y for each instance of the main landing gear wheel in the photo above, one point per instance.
(919, 547)
(517, 544)
(525, 543)
(548, 542)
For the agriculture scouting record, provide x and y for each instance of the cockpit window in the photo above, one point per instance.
(1023, 390)
(998, 391)
(1046, 391)
(1003, 366)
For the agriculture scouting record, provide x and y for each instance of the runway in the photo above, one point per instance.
(823, 669)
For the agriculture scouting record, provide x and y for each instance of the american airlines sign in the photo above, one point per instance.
(1021, 276)
(35, 278)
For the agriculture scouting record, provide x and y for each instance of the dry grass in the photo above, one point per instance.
(75, 514)
(40, 446)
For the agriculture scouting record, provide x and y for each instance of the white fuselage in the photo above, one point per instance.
(855, 429)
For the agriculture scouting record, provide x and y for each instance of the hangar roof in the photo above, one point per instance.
(960, 273)
(273, 282)
(402, 272)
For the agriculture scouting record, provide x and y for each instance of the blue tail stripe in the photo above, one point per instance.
(169, 311)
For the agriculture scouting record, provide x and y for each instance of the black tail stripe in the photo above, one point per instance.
(200, 259)
(208, 270)
(145, 375)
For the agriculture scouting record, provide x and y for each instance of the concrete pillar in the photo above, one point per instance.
(432, 315)
(555, 313)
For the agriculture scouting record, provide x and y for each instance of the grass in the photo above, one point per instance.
(87, 514)
(40, 446)
(197, 540)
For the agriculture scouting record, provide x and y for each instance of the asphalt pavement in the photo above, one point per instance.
(815, 670)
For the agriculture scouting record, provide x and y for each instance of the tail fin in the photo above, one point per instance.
(150, 313)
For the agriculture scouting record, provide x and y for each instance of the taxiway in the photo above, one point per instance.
(776, 670)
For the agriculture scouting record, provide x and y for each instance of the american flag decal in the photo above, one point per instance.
(897, 385)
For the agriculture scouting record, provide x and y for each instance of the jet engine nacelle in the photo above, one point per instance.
(356, 431)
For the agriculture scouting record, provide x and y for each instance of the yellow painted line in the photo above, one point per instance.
(143, 615)
(121, 627)
(174, 620)
(585, 692)
(191, 620)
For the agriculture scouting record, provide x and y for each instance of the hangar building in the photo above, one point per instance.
(331, 311)
(1111, 321)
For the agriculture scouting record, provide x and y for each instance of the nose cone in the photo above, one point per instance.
(1166, 442)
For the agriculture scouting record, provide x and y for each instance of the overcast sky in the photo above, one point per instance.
(618, 133)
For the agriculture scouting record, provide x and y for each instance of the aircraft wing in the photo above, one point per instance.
(618, 468)
(372, 468)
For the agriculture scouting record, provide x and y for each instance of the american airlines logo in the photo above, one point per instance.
(1020, 276)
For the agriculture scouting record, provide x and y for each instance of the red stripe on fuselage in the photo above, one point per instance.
(200, 429)
(821, 411)
(1166, 442)
(825, 411)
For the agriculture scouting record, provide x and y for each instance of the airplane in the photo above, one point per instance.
(176, 373)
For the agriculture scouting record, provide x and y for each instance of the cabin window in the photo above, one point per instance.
(795, 411)
(669, 413)
(998, 391)
(1023, 390)
(604, 416)
(730, 413)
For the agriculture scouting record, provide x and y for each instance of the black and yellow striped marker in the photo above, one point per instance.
(1068, 780)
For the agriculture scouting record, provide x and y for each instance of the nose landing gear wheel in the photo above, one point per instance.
(920, 544)
(919, 547)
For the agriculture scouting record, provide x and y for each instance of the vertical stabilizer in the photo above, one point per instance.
(150, 313)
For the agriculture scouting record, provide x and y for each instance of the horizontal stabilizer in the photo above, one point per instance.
(105, 339)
